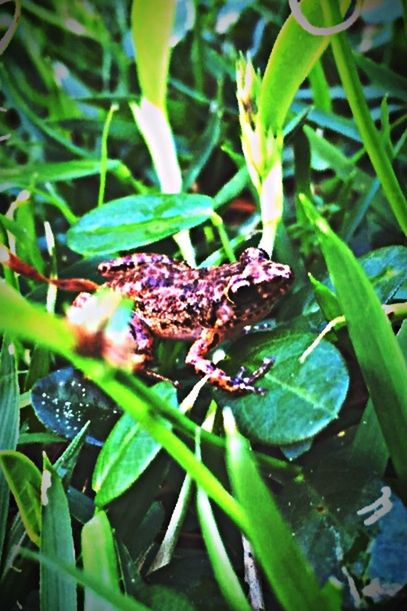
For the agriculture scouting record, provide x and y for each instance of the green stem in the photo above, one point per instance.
(103, 155)
(360, 110)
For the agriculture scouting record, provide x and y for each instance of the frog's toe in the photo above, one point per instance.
(249, 379)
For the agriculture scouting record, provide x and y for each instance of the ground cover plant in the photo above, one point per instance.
(199, 129)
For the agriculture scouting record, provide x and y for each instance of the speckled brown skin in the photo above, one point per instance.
(206, 306)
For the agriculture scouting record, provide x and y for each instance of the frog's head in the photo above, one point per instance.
(259, 281)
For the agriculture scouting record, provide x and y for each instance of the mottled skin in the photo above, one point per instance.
(206, 306)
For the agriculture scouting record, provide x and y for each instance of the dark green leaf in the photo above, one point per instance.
(64, 401)
(137, 220)
(300, 399)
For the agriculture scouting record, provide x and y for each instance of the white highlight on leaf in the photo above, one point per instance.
(379, 507)
(46, 482)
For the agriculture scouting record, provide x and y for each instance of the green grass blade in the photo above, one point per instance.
(151, 25)
(376, 347)
(222, 567)
(10, 416)
(99, 560)
(118, 601)
(372, 139)
(287, 571)
(103, 153)
(57, 590)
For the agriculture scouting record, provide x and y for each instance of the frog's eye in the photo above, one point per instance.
(241, 292)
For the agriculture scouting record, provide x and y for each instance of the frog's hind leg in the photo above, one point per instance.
(238, 384)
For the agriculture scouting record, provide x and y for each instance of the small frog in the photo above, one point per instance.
(206, 306)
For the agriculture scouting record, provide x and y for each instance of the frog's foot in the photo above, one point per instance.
(238, 384)
(248, 380)
(154, 375)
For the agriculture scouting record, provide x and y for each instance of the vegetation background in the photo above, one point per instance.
(116, 493)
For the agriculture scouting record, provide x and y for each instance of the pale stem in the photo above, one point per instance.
(156, 131)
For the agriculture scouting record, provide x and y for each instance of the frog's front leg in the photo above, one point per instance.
(143, 349)
(238, 384)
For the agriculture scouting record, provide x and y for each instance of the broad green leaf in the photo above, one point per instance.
(126, 454)
(99, 560)
(380, 357)
(64, 401)
(10, 416)
(137, 220)
(24, 480)
(300, 399)
(282, 561)
(57, 590)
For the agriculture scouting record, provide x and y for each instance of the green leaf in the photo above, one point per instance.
(301, 398)
(10, 416)
(287, 571)
(137, 220)
(292, 42)
(99, 560)
(116, 598)
(379, 355)
(126, 454)
(372, 139)
(221, 564)
(24, 480)
(64, 401)
(151, 25)
(326, 155)
(386, 269)
(23, 175)
(392, 84)
(57, 590)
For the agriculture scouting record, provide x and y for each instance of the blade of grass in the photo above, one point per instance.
(376, 347)
(226, 577)
(284, 565)
(118, 600)
(151, 23)
(283, 66)
(10, 416)
(371, 137)
(99, 560)
(103, 153)
(57, 590)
